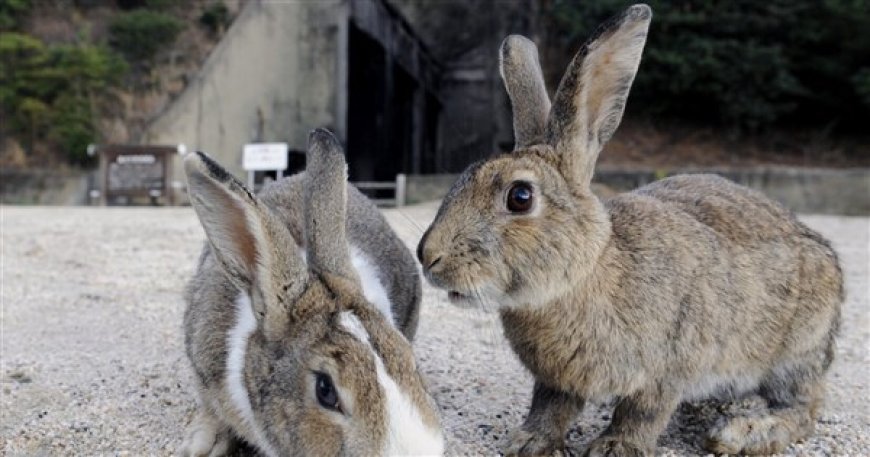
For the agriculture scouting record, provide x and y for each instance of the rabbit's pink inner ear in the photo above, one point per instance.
(591, 98)
(242, 238)
(611, 66)
(223, 218)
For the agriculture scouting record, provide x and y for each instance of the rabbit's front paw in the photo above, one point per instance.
(525, 443)
(613, 447)
(205, 437)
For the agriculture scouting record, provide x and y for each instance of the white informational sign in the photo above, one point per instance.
(264, 156)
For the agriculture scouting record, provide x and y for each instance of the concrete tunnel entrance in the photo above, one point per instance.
(392, 106)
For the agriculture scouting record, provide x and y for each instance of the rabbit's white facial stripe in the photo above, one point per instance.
(352, 324)
(406, 432)
(373, 290)
(237, 346)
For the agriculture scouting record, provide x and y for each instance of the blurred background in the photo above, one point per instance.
(100, 98)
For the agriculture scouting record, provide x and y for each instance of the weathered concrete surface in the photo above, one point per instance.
(466, 36)
(44, 187)
(273, 77)
(91, 357)
(804, 190)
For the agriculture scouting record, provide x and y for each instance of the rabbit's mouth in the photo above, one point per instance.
(456, 297)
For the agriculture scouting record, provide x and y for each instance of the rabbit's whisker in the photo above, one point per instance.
(418, 227)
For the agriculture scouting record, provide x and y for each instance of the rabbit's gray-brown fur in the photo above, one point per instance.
(368, 231)
(687, 288)
(272, 334)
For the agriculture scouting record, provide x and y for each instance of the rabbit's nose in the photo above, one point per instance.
(421, 247)
(427, 256)
(434, 262)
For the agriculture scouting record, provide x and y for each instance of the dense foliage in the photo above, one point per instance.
(10, 13)
(51, 91)
(215, 18)
(744, 63)
(148, 4)
(139, 34)
(53, 94)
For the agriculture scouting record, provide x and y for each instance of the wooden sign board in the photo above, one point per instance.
(136, 172)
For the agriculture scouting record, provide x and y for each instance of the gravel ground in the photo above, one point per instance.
(92, 359)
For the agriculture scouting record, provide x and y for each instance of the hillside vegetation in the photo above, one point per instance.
(736, 83)
(95, 71)
(740, 82)
(743, 64)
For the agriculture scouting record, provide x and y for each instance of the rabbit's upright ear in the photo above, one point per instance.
(248, 240)
(589, 103)
(524, 81)
(326, 206)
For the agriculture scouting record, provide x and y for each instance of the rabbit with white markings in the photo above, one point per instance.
(690, 287)
(299, 318)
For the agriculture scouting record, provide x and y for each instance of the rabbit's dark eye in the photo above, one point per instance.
(520, 197)
(327, 396)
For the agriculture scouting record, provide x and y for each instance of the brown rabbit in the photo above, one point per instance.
(687, 288)
(295, 319)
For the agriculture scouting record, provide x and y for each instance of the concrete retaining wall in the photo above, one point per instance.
(273, 77)
(820, 191)
(44, 187)
(804, 190)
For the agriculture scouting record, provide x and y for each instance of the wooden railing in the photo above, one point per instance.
(398, 187)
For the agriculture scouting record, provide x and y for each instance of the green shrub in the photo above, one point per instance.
(861, 81)
(215, 18)
(147, 4)
(141, 33)
(744, 63)
(161, 4)
(73, 127)
(49, 92)
(11, 12)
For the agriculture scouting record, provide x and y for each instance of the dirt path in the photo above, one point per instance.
(91, 358)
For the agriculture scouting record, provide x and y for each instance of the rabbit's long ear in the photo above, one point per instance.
(248, 240)
(524, 81)
(326, 206)
(589, 103)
